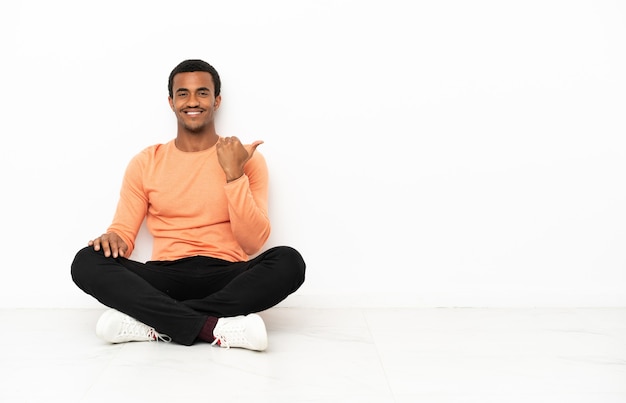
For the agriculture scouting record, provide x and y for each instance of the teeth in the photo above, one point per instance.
(192, 113)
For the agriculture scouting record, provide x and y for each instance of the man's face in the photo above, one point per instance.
(194, 102)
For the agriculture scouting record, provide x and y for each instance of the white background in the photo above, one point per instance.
(421, 153)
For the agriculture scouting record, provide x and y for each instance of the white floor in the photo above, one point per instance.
(329, 355)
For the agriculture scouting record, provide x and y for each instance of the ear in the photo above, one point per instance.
(218, 102)
(171, 101)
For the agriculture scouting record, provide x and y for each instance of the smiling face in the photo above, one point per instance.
(194, 102)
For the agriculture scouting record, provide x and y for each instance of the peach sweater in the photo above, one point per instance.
(189, 207)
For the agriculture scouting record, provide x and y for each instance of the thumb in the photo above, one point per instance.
(253, 147)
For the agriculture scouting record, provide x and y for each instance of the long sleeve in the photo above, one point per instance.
(132, 205)
(247, 205)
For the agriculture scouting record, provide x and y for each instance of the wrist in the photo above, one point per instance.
(231, 178)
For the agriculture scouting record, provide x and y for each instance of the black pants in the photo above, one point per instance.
(176, 297)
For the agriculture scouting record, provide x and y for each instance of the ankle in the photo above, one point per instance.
(206, 333)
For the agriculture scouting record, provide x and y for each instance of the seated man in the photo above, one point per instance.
(204, 198)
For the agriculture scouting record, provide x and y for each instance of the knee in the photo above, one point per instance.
(295, 264)
(82, 263)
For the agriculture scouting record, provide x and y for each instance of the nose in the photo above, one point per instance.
(192, 101)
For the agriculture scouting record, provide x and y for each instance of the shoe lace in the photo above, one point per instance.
(133, 327)
(220, 341)
(153, 334)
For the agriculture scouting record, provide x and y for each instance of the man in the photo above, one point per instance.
(204, 198)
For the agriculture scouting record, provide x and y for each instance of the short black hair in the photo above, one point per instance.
(191, 65)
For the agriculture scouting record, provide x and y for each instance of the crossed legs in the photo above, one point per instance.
(177, 297)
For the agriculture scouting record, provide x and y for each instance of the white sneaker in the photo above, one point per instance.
(116, 327)
(241, 331)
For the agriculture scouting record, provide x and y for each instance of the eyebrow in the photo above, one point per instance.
(199, 89)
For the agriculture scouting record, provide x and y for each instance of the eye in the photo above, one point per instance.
(204, 93)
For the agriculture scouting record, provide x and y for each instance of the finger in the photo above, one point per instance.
(95, 243)
(115, 248)
(122, 250)
(253, 147)
(105, 245)
(256, 144)
(118, 247)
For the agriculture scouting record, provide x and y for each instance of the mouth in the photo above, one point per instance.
(192, 113)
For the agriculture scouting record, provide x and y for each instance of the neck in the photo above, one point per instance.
(195, 142)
